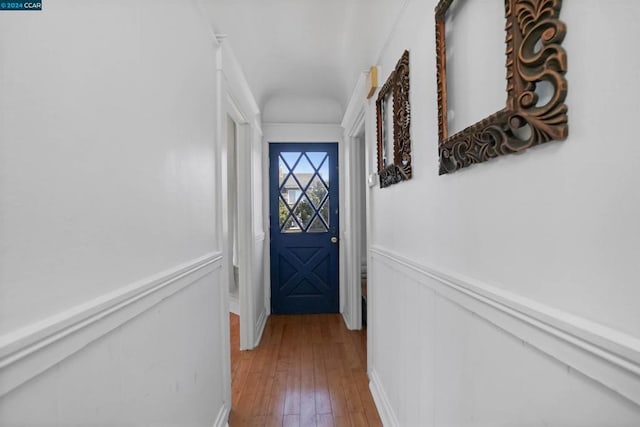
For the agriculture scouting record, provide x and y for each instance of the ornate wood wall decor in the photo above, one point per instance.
(398, 85)
(534, 54)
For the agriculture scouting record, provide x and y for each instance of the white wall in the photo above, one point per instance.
(107, 134)
(505, 293)
(297, 109)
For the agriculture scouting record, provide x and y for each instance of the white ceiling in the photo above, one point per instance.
(302, 58)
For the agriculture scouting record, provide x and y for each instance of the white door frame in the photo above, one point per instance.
(301, 133)
(355, 211)
(242, 188)
(238, 103)
(356, 120)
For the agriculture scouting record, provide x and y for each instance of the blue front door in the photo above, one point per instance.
(303, 189)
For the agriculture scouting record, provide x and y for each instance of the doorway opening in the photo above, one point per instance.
(304, 224)
(233, 191)
(361, 187)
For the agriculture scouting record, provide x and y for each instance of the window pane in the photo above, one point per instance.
(324, 170)
(304, 192)
(317, 226)
(304, 212)
(317, 191)
(324, 212)
(285, 220)
(317, 158)
(285, 163)
(290, 191)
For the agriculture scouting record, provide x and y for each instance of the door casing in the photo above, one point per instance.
(302, 133)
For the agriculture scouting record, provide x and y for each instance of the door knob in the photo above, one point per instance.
(334, 239)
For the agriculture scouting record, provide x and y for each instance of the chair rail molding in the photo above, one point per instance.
(31, 350)
(609, 357)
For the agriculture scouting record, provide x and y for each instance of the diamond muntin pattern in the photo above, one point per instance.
(304, 190)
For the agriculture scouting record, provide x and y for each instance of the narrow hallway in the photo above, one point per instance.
(308, 371)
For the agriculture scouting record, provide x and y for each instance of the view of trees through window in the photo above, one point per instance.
(304, 189)
(306, 208)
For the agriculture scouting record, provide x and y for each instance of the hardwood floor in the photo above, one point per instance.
(309, 370)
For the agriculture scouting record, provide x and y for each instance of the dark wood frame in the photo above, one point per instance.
(534, 54)
(398, 85)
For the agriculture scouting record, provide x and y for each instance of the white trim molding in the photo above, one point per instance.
(354, 124)
(262, 322)
(31, 350)
(380, 398)
(354, 111)
(235, 80)
(234, 304)
(222, 420)
(609, 357)
(240, 104)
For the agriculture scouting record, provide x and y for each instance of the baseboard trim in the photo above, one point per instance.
(234, 304)
(31, 350)
(262, 322)
(347, 321)
(381, 400)
(222, 420)
(605, 355)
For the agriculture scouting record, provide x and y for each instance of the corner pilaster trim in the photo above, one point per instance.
(381, 400)
(608, 356)
(30, 350)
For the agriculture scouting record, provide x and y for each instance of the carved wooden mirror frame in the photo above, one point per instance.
(398, 85)
(534, 54)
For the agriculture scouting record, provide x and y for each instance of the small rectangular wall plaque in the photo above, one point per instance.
(372, 81)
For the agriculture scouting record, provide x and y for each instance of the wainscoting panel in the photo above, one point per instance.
(451, 351)
(150, 352)
(31, 350)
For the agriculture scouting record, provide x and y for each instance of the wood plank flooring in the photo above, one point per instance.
(309, 370)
